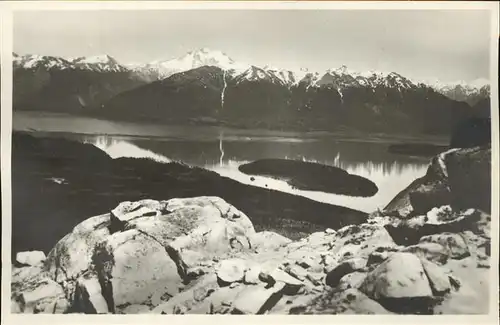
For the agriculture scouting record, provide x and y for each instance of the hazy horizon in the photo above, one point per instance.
(424, 45)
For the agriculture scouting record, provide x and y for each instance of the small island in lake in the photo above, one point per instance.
(311, 176)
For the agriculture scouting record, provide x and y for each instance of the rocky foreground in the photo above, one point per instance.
(202, 255)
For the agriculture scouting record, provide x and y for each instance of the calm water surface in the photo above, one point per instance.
(223, 150)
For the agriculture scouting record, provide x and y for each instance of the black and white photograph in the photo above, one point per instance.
(284, 160)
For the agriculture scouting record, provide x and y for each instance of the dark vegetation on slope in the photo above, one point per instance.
(58, 183)
(312, 176)
(194, 96)
(471, 133)
(68, 91)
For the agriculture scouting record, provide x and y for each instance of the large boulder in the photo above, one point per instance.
(134, 267)
(31, 258)
(73, 254)
(399, 280)
(231, 270)
(401, 276)
(458, 177)
(139, 251)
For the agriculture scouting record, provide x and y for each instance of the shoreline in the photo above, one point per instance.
(66, 181)
(354, 136)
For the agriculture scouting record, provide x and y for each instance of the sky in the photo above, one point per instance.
(445, 45)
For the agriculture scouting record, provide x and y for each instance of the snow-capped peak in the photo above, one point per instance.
(470, 92)
(193, 60)
(345, 77)
(342, 70)
(338, 78)
(99, 63)
(254, 73)
(477, 83)
(102, 62)
(288, 77)
(480, 82)
(97, 59)
(34, 61)
(206, 56)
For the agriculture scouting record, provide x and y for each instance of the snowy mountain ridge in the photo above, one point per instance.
(98, 63)
(191, 60)
(340, 77)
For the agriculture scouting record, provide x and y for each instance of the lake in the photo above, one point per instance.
(223, 150)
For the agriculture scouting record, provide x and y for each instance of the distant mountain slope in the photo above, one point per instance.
(256, 98)
(161, 69)
(471, 93)
(206, 86)
(55, 84)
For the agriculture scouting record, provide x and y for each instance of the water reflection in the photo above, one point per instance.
(117, 148)
(390, 172)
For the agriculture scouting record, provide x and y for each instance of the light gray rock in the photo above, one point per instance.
(227, 211)
(292, 285)
(355, 264)
(267, 240)
(31, 258)
(360, 241)
(330, 231)
(41, 297)
(15, 306)
(252, 274)
(257, 299)
(296, 271)
(316, 278)
(455, 244)
(202, 291)
(136, 309)
(89, 295)
(231, 270)
(24, 275)
(352, 280)
(434, 252)
(73, 254)
(400, 276)
(127, 211)
(353, 301)
(350, 301)
(310, 263)
(138, 266)
(438, 279)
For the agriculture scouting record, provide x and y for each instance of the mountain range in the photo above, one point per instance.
(206, 86)
(470, 93)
